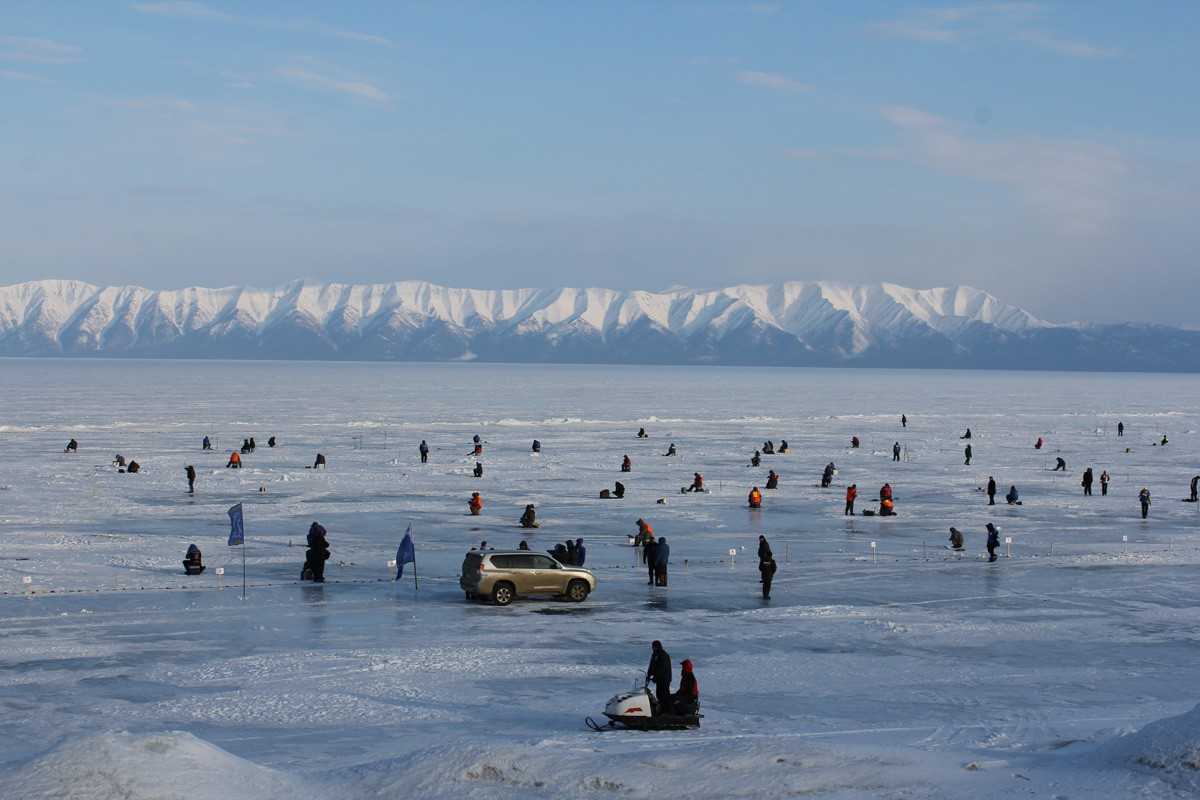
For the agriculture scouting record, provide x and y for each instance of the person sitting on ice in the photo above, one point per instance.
(319, 462)
(1013, 498)
(245, 446)
(670, 450)
(133, 467)
(1038, 444)
(756, 459)
(772, 480)
(687, 698)
(966, 435)
(697, 483)
(271, 442)
(118, 460)
(768, 448)
(626, 464)
(755, 498)
(206, 444)
(475, 504)
(642, 433)
(1061, 465)
(235, 461)
(529, 518)
(1164, 440)
(72, 447)
(618, 490)
(193, 562)
(783, 446)
(537, 446)
(956, 539)
(478, 471)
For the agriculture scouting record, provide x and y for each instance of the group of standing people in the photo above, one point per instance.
(656, 553)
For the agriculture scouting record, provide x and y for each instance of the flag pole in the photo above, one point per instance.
(415, 586)
(243, 569)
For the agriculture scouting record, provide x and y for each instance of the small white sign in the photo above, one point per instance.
(1124, 538)
(733, 551)
(391, 562)
(27, 579)
(220, 570)
(872, 545)
(1008, 540)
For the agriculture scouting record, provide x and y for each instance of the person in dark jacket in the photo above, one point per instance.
(756, 459)
(618, 490)
(191, 476)
(783, 446)
(245, 446)
(537, 446)
(766, 566)
(559, 553)
(993, 540)
(697, 483)
(580, 552)
(650, 554)
(687, 698)
(1061, 464)
(896, 451)
(319, 462)
(529, 518)
(271, 442)
(424, 451)
(966, 435)
(572, 555)
(827, 475)
(991, 491)
(768, 448)
(659, 671)
(1144, 499)
(72, 447)
(967, 453)
(662, 557)
(478, 471)
(134, 467)
(772, 480)
(252, 445)
(1195, 488)
(1013, 497)
(193, 562)
(317, 553)
(1087, 482)
(956, 538)
(670, 450)
(206, 444)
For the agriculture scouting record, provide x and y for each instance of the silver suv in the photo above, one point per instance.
(502, 575)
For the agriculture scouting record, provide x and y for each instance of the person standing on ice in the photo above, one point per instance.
(766, 566)
(659, 672)
(1144, 499)
(650, 553)
(580, 552)
(424, 450)
(1120, 429)
(993, 541)
(991, 491)
(662, 559)
(191, 476)
(903, 421)
(1104, 484)
(1087, 482)
(851, 496)
(1195, 487)
(896, 452)
(967, 453)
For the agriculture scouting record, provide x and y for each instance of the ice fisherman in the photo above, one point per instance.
(966, 435)
(670, 450)
(956, 538)
(896, 451)
(72, 447)
(851, 496)
(529, 518)
(626, 464)
(662, 559)
(319, 461)
(193, 561)
(317, 553)
(1060, 465)
(827, 475)
(991, 490)
(478, 471)
(235, 461)
(191, 476)
(772, 479)
(659, 671)
(1086, 483)
(993, 540)
(766, 566)
(475, 504)
(755, 498)
(967, 453)
(1013, 497)
(206, 444)
(1195, 487)
(1144, 499)
(537, 446)
(697, 483)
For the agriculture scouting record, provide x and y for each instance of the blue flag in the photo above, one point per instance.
(237, 534)
(407, 554)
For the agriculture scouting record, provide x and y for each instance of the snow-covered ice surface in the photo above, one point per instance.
(1067, 669)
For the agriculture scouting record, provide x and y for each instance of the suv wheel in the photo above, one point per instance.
(577, 591)
(502, 594)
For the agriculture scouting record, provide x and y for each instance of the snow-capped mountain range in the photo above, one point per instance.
(799, 323)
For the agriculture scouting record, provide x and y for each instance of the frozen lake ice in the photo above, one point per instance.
(1064, 669)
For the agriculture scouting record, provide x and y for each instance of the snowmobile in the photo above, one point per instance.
(638, 709)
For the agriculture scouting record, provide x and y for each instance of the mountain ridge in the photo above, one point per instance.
(796, 323)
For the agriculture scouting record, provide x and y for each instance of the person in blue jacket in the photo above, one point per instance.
(580, 552)
(993, 541)
(662, 557)
(1012, 497)
(424, 448)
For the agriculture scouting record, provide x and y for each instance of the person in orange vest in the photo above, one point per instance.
(755, 498)
(475, 504)
(235, 461)
(851, 496)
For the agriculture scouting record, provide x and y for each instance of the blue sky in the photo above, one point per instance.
(1044, 152)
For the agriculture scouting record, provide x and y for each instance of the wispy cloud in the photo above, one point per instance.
(1070, 180)
(1018, 22)
(25, 76)
(769, 80)
(314, 80)
(183, 9)
(33, 50)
